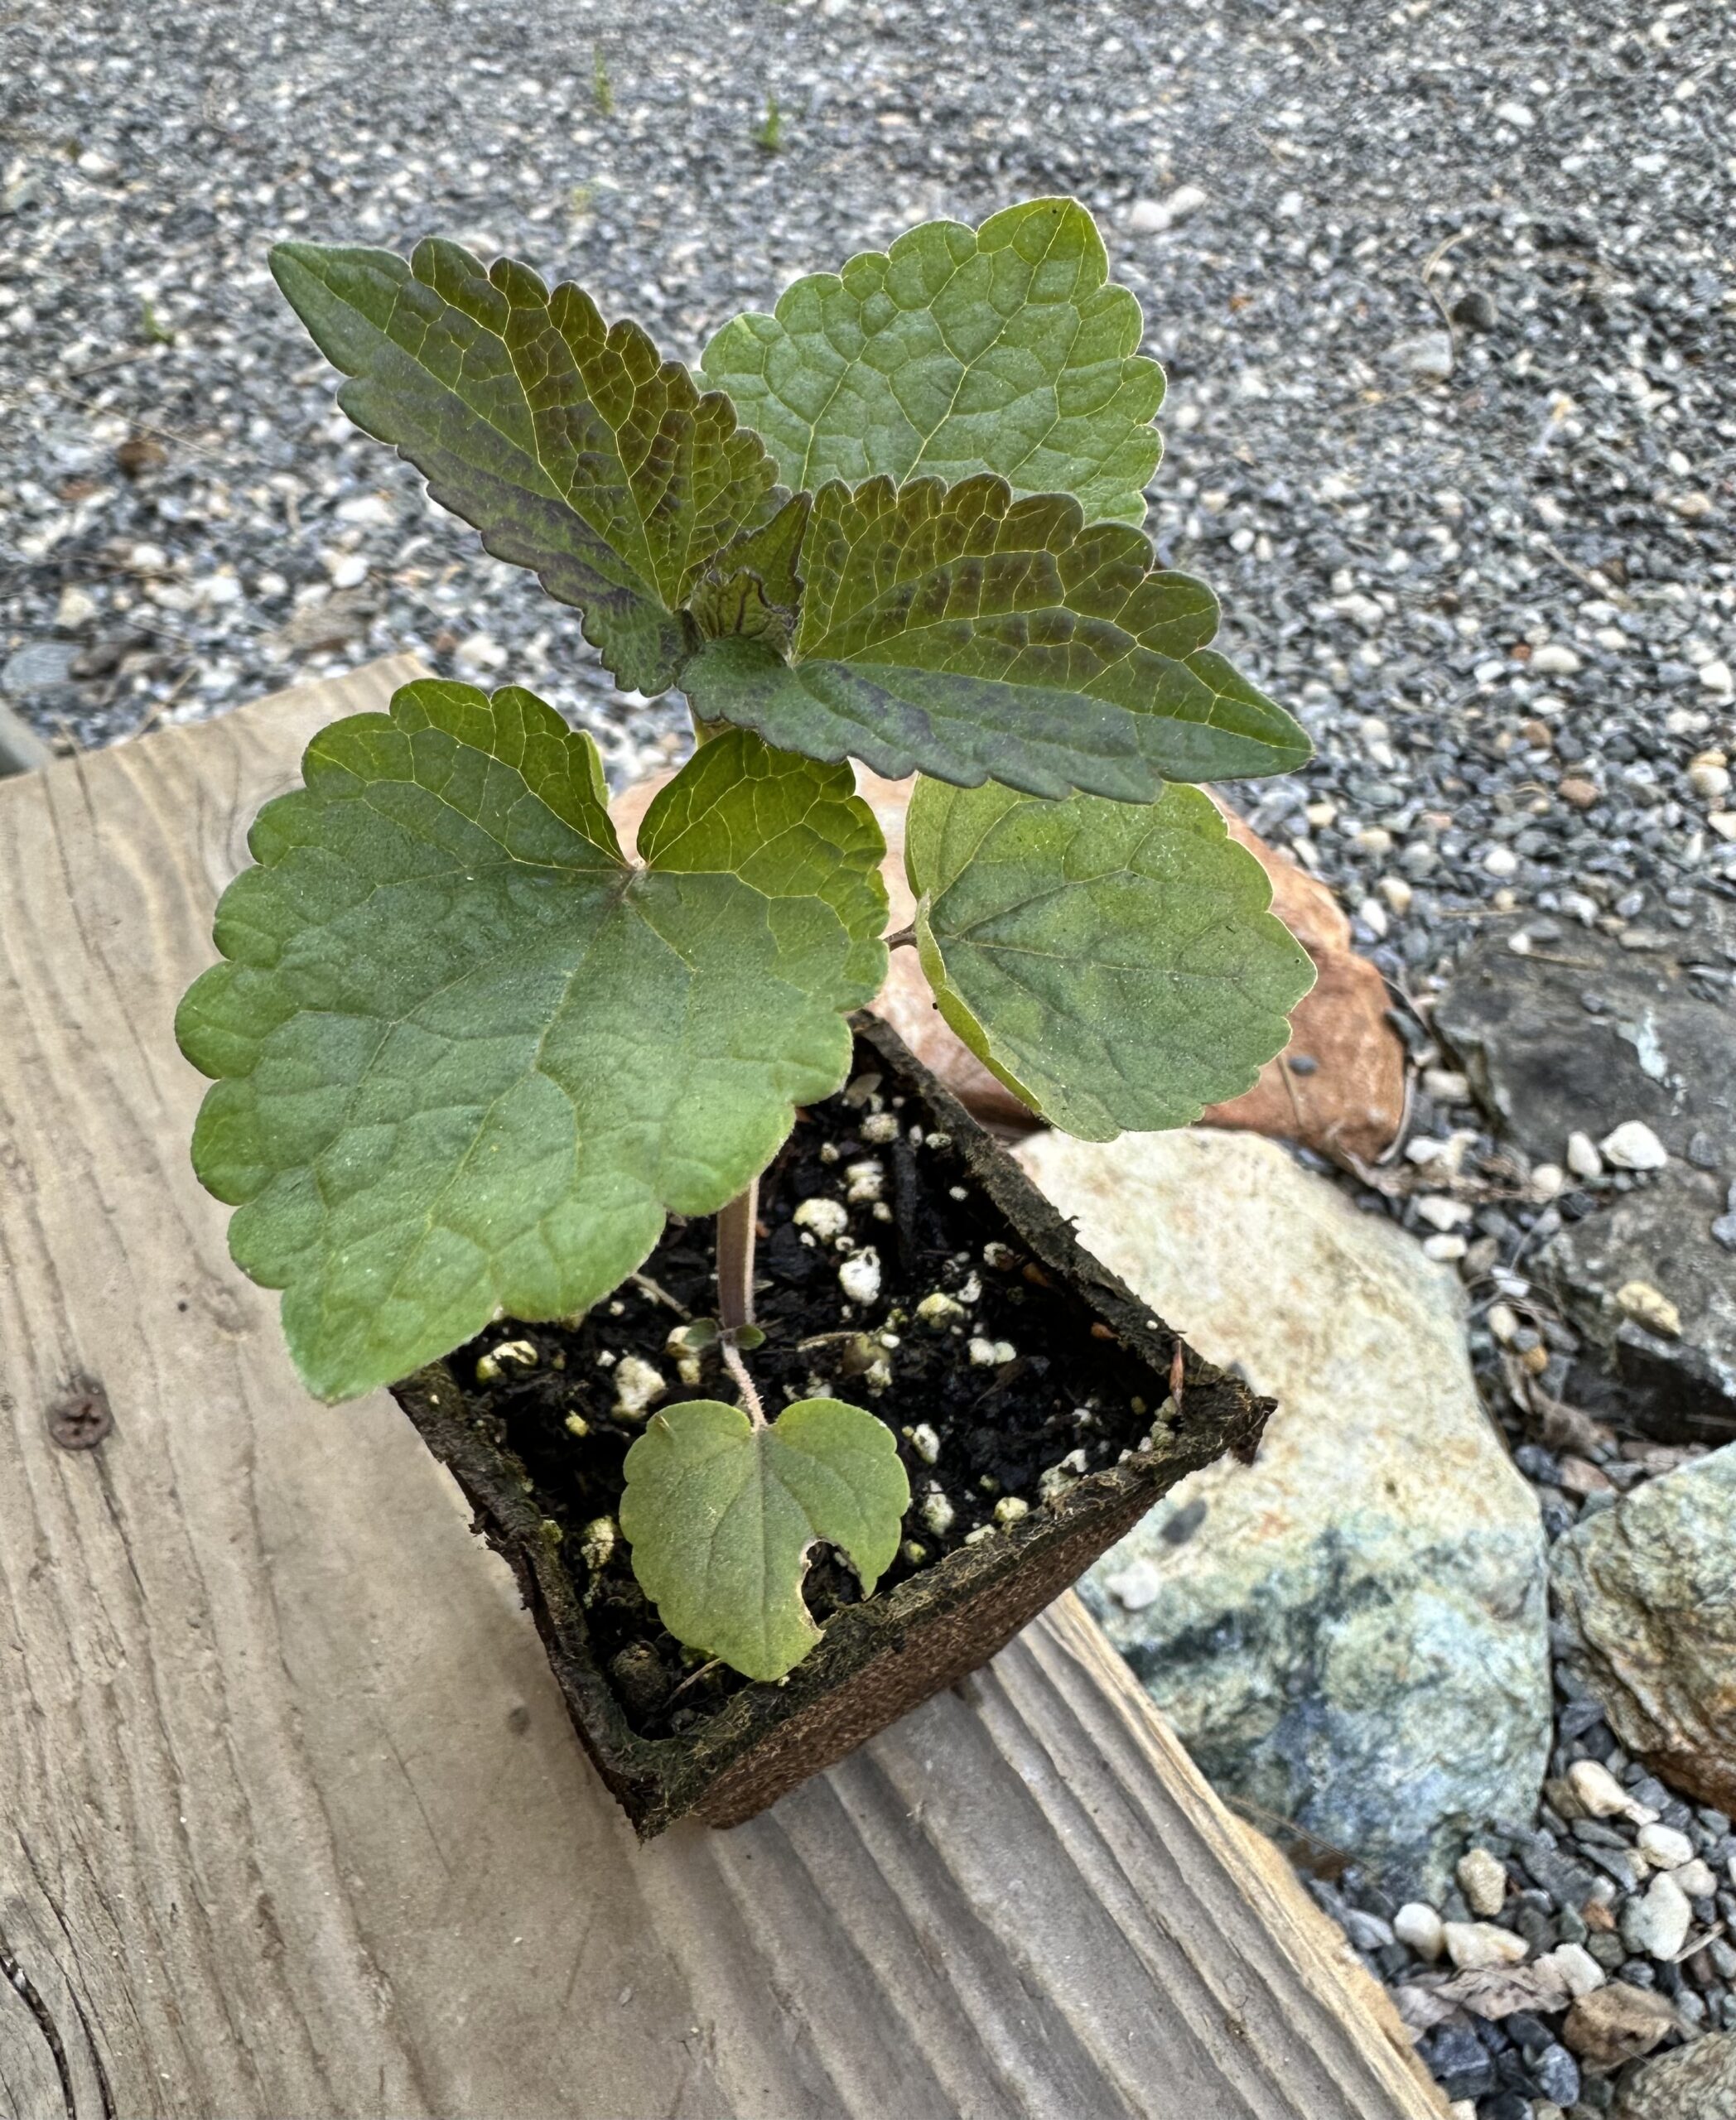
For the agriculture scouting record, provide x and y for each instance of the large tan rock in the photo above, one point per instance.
(1350, 1103)
(1349, 1634)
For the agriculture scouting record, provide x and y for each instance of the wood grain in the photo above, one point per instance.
(291, 1823)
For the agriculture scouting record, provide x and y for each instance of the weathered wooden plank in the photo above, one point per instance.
(291, 1820)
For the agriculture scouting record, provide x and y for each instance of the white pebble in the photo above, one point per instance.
(1710, 783)
(825, 1218)
(1478, 1943)
(1633, 1146)
(1440, 1211)
(1696, 1879)
(1500, 861)
(1134, 1587)
(1649, 1307)
(1553, 660)
(1397, 893)
(1716, 677)
(860, 1275)
(1582, 1158)
(638, 1387)
(1664, 1847)
(1421, 1928)
(1446, 1084)
(1010, 1509)
(864, 1181)
(1545, 1181)
(1658, 1924)
(938, 1513)
(1579, 1971)
(879, 1126)
(925, 1443)
(1503, 1322)
(1444, 1250)
(1602, 1796)
(990, 1354)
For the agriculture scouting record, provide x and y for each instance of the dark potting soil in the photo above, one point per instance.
(1004, 1378)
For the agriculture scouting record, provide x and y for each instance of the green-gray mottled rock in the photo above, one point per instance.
(1350, 1634)
(1694, 2083)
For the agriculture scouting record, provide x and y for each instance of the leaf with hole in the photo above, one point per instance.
(721, 1514)
(1117, 966)
(957, 631)
(467, 1056)
(1001, 348)
(572, 446)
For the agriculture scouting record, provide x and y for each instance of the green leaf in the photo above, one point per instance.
(959, 351)
(721, 1515)
(570, 445)
(753, 587)
(466, 1056)
(965, 633)
(1116, 965)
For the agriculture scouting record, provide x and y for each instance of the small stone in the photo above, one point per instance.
(1446, 1084)
(1616, 2023)
(879, 1127)
(1010, 1509)
(1427, 358)
(1482, 1879)
(938, 1513)
(1649, 1307)
(1582, 1158)
(1696, 1879)
(1475, 311)
(1602, 1796)
(1553, 660)
(1471, 1944)
(1633, 1146)
(1444, 1250)
(860, 1275)
(1136, 1586)
(1397, 893)
(1500, 861)
(76, 608)
(939, 1310)
(1579, 1971)
(1695, 2082)
(1574, 787)
(1715, 676)
(638, 1387)
(1663, 1847)
(1724, 823)
(1152, 216)
(925, 1443)
(1657, 1923)
(1710, 783)
(1418, 1925)
(1545, 1181)
(1441, 1211)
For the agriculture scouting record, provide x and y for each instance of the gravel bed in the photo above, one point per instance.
(1447, 297)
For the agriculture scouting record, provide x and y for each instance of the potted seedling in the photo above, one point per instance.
(785, 1395)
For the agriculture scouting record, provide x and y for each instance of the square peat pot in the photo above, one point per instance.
(960, 1207)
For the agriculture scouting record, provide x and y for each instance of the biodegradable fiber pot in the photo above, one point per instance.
(1102, 1431)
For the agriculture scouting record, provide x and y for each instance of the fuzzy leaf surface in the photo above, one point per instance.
(964, 633)
(721, 1515)
(959, 350)
(466, 1056)
(572, 446)
(1117, 966)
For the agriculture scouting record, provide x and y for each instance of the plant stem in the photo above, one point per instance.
(737, 1368)
(904, 939)
(735, 1234)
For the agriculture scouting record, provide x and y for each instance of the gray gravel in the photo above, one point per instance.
(1447, 295)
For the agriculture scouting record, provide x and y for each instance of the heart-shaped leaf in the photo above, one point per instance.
(960, 632)
(467, 1056)
(721, 1514)
(571, 445)
(1117, 966)
(1000, 349)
